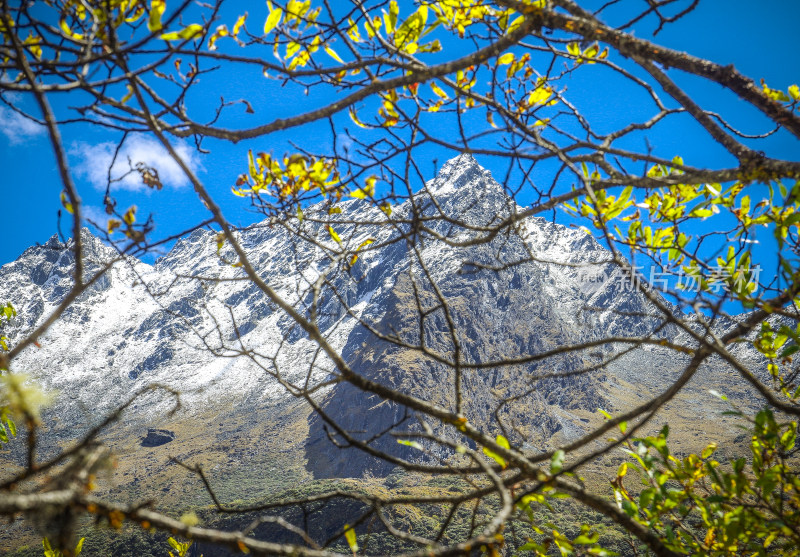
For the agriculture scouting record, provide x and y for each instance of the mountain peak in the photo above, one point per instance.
(459, 169)
(458, 172)
(54, 242)
(464, 161)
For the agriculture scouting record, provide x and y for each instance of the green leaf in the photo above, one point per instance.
(587, 539)
(412, 444)
(701, 213)
(629, 507)
(788, 439)
(12, 428)
(494, 456)
(557, 462)
(708, 451)
(646, 497)
(410, 30)
(503, 442)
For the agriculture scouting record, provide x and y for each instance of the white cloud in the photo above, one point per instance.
(344, 143)
(17, 128)
(93, 162)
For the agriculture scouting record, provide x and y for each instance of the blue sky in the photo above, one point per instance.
(759, 39)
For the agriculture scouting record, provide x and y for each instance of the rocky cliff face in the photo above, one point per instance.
(189, 322)
(519, 294)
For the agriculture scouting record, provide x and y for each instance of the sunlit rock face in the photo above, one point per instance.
(187, 323)
(519, 293)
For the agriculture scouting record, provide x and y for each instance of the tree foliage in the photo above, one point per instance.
(393, 84)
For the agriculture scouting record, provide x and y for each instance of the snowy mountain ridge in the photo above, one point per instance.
(176, 322)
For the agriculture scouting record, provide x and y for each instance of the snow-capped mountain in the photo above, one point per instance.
(192, 323)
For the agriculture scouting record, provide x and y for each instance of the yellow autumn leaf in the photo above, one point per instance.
(365, 243)
(355, 119)
(574, 49)
(372, 26)
(332, 54)
(539, 95)
(435, 107)
(438, 90)
(352, 31)
(222, 31)
(157, 8)
(292, 48)
(33, 43)
(67, 31)
(239, 23)
(350, 535)
(273, 19)
(128, 95)
(188, 32)
(506, 58)
(390, 19)
(130, 215)
(137, 13)
(368, 190)
(65, 202)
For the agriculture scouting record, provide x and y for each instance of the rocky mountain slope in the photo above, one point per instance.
(189, 322)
